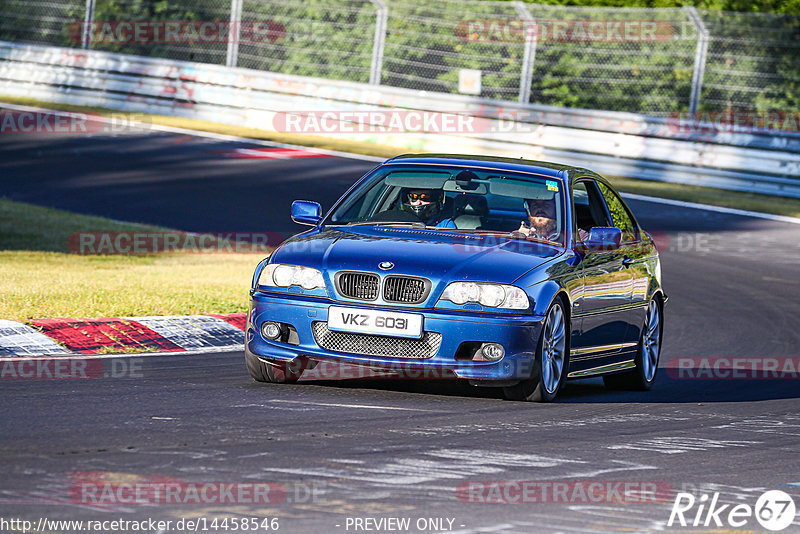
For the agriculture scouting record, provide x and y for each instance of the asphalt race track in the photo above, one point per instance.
(178, 181)
(343, 450)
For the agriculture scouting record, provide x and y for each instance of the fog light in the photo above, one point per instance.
(493, 351)
(271, 330)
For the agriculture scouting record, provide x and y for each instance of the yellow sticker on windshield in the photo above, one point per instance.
(552, 186)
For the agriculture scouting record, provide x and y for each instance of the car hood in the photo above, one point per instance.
(437, 255)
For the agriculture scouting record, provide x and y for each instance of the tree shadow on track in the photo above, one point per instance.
(437, 388)
(669, 389)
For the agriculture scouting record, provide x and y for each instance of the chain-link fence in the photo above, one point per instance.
(752, 62)
(640, 60)
(651, 61)
(316, 38)
(427, 46)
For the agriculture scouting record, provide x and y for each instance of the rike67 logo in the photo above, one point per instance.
(774, 510)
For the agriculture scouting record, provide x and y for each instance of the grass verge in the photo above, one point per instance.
(39, 278)
(54, 284)
(705, 195)
(742, 200)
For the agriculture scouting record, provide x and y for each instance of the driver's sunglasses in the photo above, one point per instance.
(425, 197)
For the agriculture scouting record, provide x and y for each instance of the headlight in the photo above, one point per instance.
(277, 274)
(489, 295)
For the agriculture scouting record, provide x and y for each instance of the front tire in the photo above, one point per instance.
(551, 360)
(275, 372)
(642, 377)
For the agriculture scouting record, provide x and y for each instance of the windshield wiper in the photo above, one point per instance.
(388, 223)
(510, 235)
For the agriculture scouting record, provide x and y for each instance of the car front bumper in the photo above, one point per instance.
(518, 334)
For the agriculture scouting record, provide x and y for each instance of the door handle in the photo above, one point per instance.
(626, 262)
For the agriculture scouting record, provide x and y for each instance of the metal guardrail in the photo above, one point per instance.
(649, 60)
(612, 143)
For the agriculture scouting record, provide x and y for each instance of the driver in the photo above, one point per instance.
(427, 205)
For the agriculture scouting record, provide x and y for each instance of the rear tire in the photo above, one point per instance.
(642, 377)
(551, 361)
(275, 372)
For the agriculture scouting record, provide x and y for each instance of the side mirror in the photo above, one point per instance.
(603, 238)
(306, 212)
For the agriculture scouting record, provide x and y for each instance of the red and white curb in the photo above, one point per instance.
(108, 335)
(17, 339)
(273, 153)
(195, 332)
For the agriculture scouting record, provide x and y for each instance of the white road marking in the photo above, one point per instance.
(367, 406)
(627, 466)
(708, 207)
(428, 467)
(763, 426)
(474, 457)
(256, 455)
(524, 427)
(728, 493)
(492, 528)
(679, 445)
(608, 517)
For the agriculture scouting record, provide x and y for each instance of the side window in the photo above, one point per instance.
(589, 207)
(619, 214)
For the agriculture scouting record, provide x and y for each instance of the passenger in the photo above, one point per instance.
(542, 223)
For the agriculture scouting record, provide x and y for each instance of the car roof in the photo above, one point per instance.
(555, 170)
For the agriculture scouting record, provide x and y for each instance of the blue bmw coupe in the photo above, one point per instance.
(502, 272)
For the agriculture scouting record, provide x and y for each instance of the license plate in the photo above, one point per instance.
(375, 322)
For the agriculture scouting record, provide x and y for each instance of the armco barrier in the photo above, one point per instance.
(613, 143)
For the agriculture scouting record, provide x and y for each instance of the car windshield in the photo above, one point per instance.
(524, 206)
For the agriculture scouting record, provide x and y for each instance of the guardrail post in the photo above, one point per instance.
(234, 31)
(531, 33)
(699, 58)
(378, 42)
(88, 19)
